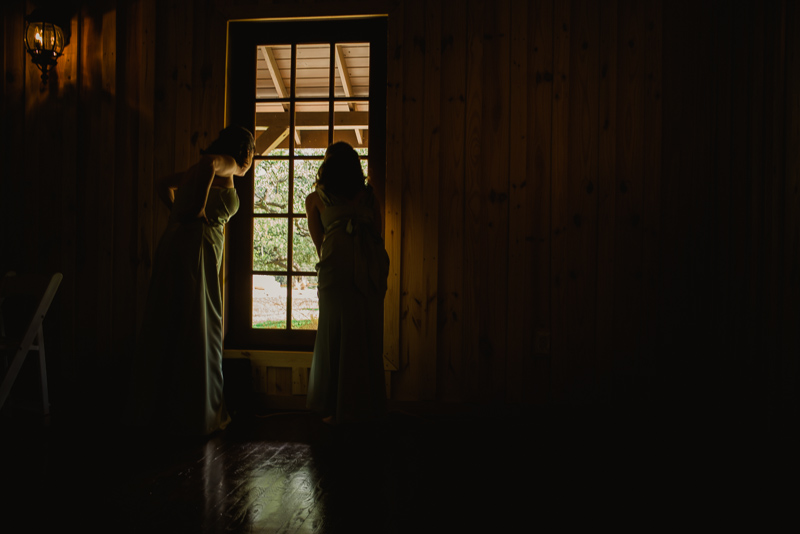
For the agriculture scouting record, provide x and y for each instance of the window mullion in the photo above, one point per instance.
(290, 206)
(331, 91)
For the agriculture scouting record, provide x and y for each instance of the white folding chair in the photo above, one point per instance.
(24, 301)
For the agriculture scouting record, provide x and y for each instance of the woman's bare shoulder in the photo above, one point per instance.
(313, 200)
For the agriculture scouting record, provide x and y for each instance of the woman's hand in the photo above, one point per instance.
(165, 187)
(246, 167)
(202, 215)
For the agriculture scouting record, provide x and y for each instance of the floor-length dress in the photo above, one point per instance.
(347, 374)
(177, 378)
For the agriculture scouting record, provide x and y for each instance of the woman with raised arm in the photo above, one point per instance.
(177, 373)
(344, 220)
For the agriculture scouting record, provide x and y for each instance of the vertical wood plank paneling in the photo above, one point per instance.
(472, 200)
(109, 230)
(738, 210)
(560, 176)
(126, 133)
(492, 281)
(146, 209)
(14, 100)
(95, 227)
(520, 316)
(791, 305)
(723, 172)
(579, 214)
(770, 233)
(278, 381)
(606, 194)
(538, 197)
(629, 190)
(776, 176)
(164, 112)
(791, 265)
(165, 106)
(429, 189)
(207, 112)
(673, 222)
(393, 206)
(451, 202)
(651, 210)
(407, 384)
(208, 78)
(756, 163)
(181, 38)
(86, 256)
(38, 108)
(67, 224)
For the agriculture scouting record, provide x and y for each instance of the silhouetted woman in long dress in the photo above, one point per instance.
(177, 376)
(347, 374)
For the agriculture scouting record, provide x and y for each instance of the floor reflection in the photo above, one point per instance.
(265, 487)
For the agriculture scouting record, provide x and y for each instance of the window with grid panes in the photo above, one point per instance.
(299, 86)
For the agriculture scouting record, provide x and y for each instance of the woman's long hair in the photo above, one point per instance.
(340, 173)
(233, 141)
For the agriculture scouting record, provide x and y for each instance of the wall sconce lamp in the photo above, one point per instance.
(45, 39)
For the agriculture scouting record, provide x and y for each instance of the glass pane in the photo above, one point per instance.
(270, 240)
(311, 152)
(269, 302)
(273, 71)
(352, 69)
(304, 253)
(305, 303)
(313, 70)
(271, 191)
(305, 173)
(351, 123)
(272, 129)
(311, 124)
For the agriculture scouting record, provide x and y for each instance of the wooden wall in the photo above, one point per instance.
(586, 201)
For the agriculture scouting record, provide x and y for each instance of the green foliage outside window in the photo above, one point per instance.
(271, 234)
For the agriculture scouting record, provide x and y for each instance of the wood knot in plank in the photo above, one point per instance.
(495, 196)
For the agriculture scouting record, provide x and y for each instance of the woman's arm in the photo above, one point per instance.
(205, 170)
(314, 215)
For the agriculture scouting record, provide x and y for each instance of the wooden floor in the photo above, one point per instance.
(290, 473)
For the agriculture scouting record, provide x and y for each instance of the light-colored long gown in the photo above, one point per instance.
(347, 374)
(177, 374)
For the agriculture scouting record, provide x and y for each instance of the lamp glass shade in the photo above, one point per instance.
(44, 41)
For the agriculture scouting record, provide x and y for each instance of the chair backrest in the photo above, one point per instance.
(34, 289)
